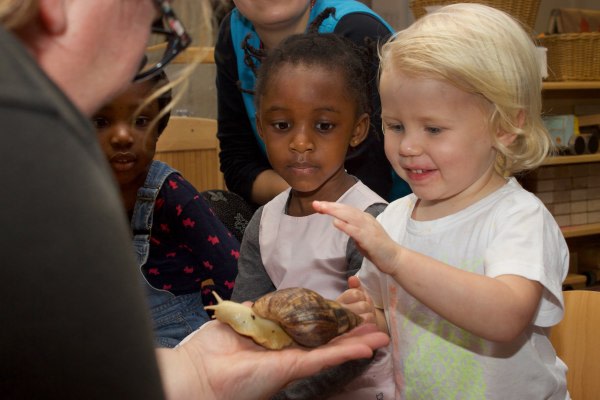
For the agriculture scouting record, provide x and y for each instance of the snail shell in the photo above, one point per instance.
(306, 316)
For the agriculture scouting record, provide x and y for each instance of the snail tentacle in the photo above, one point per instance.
(245, 322)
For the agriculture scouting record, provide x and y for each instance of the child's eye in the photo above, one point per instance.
(281, 125)
(432, 130)
(394, 127)
(100, 122)
(141, 122)
(324, 126)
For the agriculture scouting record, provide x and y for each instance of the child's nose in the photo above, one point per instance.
(410, 145)
(121, 136)
(301, 141)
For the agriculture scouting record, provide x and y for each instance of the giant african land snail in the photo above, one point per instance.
(280, 318)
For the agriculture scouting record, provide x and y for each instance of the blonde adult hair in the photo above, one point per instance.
(483, 51)
(14, 14)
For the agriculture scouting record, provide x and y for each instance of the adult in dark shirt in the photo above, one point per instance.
(74, 317)
(246, 34)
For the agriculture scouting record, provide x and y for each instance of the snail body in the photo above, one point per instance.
(245, 322)
(279, 318)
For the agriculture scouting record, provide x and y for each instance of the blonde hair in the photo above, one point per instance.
(483, 51)
(14, 14)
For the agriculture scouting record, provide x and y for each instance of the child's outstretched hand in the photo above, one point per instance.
(357, 300)
(370, 237)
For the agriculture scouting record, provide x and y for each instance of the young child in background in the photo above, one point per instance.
(312, 98)
(246, 37)
(468, 268)
(183, 249)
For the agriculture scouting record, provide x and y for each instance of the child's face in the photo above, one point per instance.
(436, 136)
(125, 138)
(307, 119)
(273, 14)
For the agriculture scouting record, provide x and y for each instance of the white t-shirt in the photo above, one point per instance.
(508, 232)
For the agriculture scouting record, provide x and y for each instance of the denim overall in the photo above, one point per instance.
(173, 317)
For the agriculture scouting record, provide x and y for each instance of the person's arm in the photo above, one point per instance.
(241, 158)
(496, 309)
(252, 280)
(204, 235)
(215, 363)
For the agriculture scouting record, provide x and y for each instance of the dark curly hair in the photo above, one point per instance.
(322, 49)
(327, 50)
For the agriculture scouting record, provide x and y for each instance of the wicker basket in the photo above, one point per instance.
(523, 10)
(573, 56)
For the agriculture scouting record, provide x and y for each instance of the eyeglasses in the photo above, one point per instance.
(167, 40)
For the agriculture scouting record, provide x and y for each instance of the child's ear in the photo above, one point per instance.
(53, 16)
(361, 130)
(507, 138)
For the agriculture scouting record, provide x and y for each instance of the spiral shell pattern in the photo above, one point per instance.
(306, 316)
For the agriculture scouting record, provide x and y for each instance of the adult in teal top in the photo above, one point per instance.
(245, 36)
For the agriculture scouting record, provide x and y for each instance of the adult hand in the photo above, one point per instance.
(370, 237)
(217, 363)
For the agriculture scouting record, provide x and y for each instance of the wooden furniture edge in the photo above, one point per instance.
(193, 133)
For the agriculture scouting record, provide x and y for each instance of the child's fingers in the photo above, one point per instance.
(342, 212)
(352, 221)
(356, 300)
(368, 317)
(350, 296)
(353, 282)
(362, 308)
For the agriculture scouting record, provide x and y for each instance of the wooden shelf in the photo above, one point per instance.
(576, 281)
(583, 158)
(580, 230)
(203, 55)
(571, 85)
